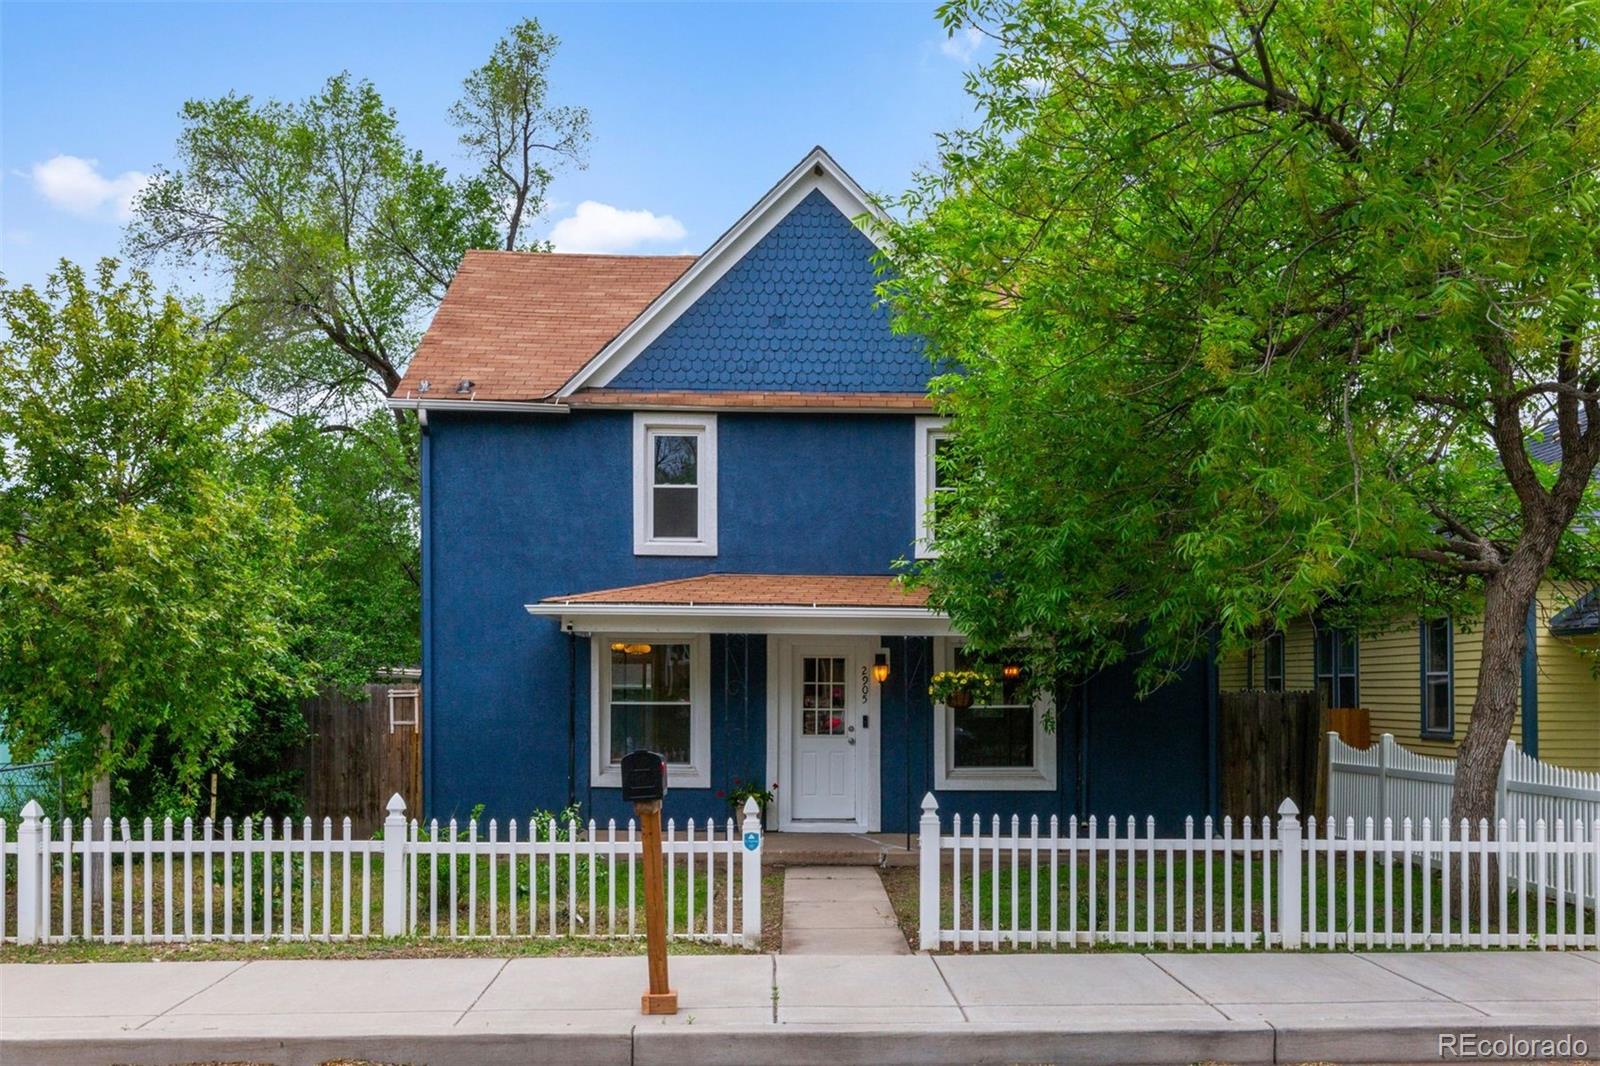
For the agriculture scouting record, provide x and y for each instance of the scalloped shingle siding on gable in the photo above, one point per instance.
(797, 313)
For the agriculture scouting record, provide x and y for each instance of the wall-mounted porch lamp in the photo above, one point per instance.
(880, 667)
(1011, 671)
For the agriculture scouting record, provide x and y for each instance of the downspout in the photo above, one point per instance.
(1213, 683)
(572, 719)
(1530, 684)
(424, 541)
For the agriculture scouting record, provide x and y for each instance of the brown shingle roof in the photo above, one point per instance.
(519, 324)
(761, 590)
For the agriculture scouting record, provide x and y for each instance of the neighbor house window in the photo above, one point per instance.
(999, 745)
(933, 479)
(1338, 673)
(1272, 656)
(652, 695)
(674, 485)
(1438, 678)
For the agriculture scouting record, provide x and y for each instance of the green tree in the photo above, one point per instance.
(336, 239)
(508, 126)
(1256, 310)
(146, 578)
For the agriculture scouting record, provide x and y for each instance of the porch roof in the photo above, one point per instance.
(753, 603)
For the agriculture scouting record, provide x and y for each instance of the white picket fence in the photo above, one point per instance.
(1390, 781)
(1254, 885)
(259, 881)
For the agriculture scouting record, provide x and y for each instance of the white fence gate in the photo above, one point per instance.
(1252, 885)
(258, 881)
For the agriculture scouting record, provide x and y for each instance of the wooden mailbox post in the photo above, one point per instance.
(644, 783)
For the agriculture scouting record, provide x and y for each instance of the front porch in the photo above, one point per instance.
(840, 849)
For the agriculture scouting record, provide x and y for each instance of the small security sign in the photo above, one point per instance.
(752, 841)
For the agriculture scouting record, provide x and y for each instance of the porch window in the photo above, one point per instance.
(1438, 678)
(674, 485)
(652, 694)
(999, 745)
(933, 479)
(1338, 672)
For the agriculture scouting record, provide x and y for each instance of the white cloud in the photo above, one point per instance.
(962, 44)
(597, 227)
(75, 184)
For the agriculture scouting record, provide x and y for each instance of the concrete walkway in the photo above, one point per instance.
(991, 1008)
(838, 910)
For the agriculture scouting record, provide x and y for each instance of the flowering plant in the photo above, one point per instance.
(743, 790)
(962, 688)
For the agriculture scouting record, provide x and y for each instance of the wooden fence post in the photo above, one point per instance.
(1289, 875)
(928, 875)
(394, 868)
(28, 881)
(752, 874)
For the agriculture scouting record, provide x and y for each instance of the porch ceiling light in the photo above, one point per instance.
(880, 667)
(631, 649)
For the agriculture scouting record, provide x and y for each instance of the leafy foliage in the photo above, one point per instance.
(146, 575)
(508, 126)
(337, 239)
(1255, 309)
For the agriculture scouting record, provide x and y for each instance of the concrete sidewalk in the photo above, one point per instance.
(1105, 1008)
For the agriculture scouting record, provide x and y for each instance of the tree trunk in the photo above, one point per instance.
(1508, 596)
(99, 811)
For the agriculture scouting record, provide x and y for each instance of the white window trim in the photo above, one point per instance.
(696, 773)
(1041, 777)
(928, 430)
(646, 423)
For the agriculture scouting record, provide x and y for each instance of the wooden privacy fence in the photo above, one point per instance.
(1387, 781)
(275, 881)
(361, 752)
(1255, 884)
(1268, 749)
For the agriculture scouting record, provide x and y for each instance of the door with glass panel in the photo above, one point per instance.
(824, 779)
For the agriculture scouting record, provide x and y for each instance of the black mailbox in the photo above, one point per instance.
(644, 777)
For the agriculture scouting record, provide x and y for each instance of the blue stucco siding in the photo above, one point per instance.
(1116, 754)
(521, 507)
(797, 312)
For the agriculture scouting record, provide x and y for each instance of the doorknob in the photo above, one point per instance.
(851, 739)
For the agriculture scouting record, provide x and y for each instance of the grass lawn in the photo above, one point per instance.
(590, 914)
(1002, 900)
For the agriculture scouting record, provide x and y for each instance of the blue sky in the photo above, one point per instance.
(696, 108)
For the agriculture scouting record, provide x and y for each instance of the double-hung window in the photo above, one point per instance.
(652, 693)
(998, 745)
(933, 480)
(1272, 660)
(674, 484)
(1438, 678)
(1338, 671)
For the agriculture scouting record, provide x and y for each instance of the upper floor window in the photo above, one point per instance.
(1272, 660)
(674, 484)
(1438, 678)
(933, 479)
(1337, 669)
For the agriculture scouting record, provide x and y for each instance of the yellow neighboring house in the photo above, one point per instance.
(1418, 679)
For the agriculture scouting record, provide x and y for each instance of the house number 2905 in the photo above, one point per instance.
(865, 685)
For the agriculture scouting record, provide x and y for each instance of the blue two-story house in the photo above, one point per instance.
(662, 499)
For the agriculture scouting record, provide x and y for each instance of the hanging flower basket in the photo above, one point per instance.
(960, 689)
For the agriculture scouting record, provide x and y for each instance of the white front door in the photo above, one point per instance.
(826, 718)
